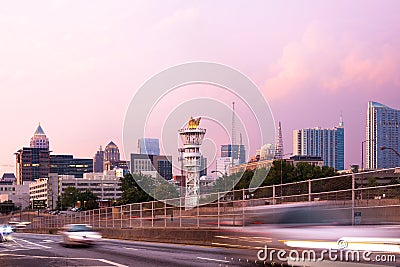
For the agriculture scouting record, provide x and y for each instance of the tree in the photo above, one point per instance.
(68, 198)
(88, 200)
(280, 169)
(131, 191)
(71, 196)
(165, 190)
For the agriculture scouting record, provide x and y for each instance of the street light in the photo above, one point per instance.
(390, 148)
(20, 206)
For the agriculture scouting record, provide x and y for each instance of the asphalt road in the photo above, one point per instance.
(45, 250)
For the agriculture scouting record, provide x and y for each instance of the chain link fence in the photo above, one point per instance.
(367, 197)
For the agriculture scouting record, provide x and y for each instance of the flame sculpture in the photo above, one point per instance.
(194, 123)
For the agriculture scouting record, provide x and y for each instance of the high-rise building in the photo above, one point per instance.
(236, 152)
(98, 161)
(152, 165)
(325, 143)
(111, 156)
(382, 131)
(222, 166)
(267, 151)
(149, 146)
(39, 139)
(279, 143)
(32, 164)
(203, 166)
(68, 165)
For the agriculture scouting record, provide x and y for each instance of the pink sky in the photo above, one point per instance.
(75, 66)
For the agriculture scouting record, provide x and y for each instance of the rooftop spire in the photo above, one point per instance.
(279, 143)
(341, 124)
(39, 130)
(39, 139)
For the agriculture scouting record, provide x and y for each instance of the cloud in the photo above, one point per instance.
(334, 61)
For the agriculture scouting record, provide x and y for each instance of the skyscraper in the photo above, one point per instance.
(382, 131)
(279, 143)
(98, 161)
(33, 162)
(325, 143)
(203, 166)
(149, 146)
(236, 152)
(39, 139)
(111, 156)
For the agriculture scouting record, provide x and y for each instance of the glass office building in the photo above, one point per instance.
(149, 146)
(382, 131)
(237, 152)
(325, 143)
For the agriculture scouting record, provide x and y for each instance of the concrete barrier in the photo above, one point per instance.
(164, 235)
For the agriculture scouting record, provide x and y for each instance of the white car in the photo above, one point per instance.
(79, 234)
(5, 232)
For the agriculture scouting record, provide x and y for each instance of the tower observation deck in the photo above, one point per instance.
(192, 138)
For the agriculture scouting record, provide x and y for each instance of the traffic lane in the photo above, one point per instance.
(26, 249)
(380, 240)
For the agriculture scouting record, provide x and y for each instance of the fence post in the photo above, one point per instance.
(243, 205)
(121, 215)
(198, 212)
(113, 216)
(165, 214)
(180, 212)
(141, 214)
(352, 198)
(218, 209)
(152, 214)
(106, 217)
(273, 195)
(130, 215)
(309, 190)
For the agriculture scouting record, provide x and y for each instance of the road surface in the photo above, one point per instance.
(45, 250)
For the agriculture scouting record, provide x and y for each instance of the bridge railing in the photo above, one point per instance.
(367, 198)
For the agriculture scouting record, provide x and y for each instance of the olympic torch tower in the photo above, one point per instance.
(192, 138)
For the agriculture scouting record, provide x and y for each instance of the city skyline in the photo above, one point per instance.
(311, 60)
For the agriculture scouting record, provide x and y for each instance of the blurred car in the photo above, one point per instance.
(298, 215)
(19, 225)
(5, 232)
(79, 234)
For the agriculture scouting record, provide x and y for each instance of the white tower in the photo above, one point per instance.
(192, 138)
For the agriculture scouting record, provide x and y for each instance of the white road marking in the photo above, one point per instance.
(34, 243)
(47, 241)
(131, 248)
(67, 258)
(112, 263)
(209, 259)
(17, 243)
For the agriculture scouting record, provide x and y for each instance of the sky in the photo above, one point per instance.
(74, 66)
